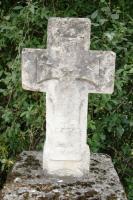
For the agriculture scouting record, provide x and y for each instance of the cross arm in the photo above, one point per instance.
(35, 73)
(97, 70)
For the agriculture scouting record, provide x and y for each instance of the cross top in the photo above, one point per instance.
(67, 71)
(66, 36)
(67, 56)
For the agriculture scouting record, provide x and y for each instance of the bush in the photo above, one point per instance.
(110, 119)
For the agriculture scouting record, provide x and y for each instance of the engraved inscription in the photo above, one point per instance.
(66, 144)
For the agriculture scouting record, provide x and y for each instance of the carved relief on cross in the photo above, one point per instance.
(67, 71)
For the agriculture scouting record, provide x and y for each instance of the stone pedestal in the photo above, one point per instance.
(28, 181)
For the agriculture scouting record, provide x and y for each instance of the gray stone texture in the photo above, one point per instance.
(68, 57)
(28, 181)
(67, 71)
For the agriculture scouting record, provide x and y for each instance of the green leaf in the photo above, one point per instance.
(115, 16)
(32, 9)
(130, 71)
(17, 7)
(131, 123)
(94, 14)
(102, 21)
(120, 131)
(110, 35)
(7, 17)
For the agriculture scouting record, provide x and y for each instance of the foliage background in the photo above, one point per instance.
(22, 113)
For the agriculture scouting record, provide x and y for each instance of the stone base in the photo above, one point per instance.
(73, 168)
(28, 181)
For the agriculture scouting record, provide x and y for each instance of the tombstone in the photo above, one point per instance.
(67, 71)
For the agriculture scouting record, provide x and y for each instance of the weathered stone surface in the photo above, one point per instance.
(67, 72)
(28, 181)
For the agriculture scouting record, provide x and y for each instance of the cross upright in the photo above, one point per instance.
(67, 71)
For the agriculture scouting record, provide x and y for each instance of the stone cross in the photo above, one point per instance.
(67, 72)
